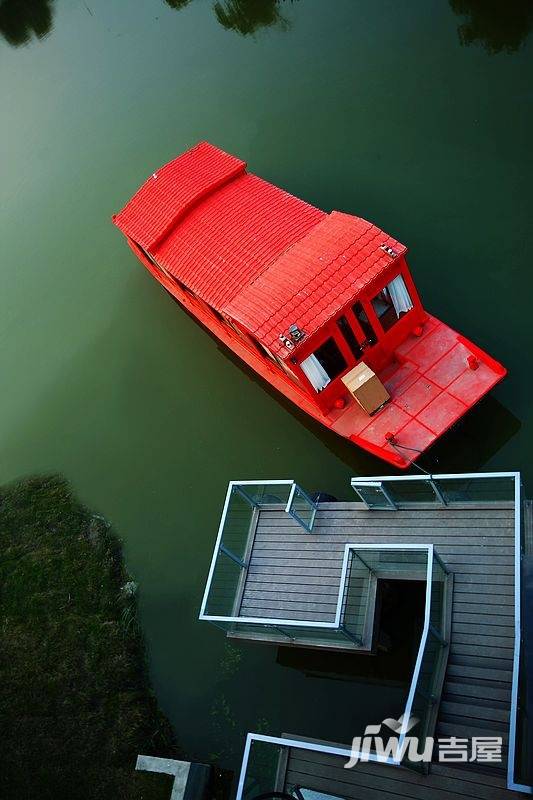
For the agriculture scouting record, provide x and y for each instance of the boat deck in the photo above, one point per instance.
(431, 387)
(295, 575)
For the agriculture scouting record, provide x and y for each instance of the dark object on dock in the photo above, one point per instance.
(322, 497)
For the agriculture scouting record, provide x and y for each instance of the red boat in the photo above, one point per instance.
(305, 298)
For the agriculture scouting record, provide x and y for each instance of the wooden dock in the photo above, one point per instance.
(295, 575)
(324, 773)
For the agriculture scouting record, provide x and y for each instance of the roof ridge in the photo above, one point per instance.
(197, 201)
(161, 201)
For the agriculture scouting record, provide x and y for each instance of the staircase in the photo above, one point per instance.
(476, 696)
(476, 702)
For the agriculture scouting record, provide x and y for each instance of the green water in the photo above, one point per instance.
(412, 115)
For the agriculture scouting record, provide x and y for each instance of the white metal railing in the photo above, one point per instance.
(292, 629)
(441, 498)
(429, 550)
(438, 484)
(296, 503)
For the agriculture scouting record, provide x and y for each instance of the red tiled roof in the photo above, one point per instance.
(250, 249)
(230, 238)
(171, 191)
(314, 278)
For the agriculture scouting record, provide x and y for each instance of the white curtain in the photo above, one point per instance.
(315, 372)
(399, 295)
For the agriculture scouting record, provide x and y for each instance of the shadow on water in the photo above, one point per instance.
(466, 447)
(401, 616)
(498, 27)
(474, 440)
(22, 19)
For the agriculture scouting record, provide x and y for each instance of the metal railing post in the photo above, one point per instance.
(239, 490)
(437, 635)
(431, 698)
(441, 562)
(229, 554)
(355, 639)
(355, 553)
(438, 493)
(284, 633)
(389, 498)
(297, 490)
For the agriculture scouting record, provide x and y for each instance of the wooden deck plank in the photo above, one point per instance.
(295, 574)
(326, 773)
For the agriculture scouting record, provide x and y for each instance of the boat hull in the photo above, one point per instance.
(420, 378)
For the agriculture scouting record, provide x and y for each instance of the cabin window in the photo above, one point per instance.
(158, 266)
(286, 369)
(392, 302)
(263, 349)
(349, 337)
(234, 328)
(362, 318)
(325, 364)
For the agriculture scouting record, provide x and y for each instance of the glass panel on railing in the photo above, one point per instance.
(278, 633)
(328, 637)
(423, 711)
(429, 669)
(425, 490)
(267, 494)
(283, 633)
(386, 494)
(438, 597)
(237, 525)
(395, 562)
(356, 597)
(224, 626)
(374, 495)
(264, 772)
(302, 508)
(222, 600)
(461, 490)
(427, 696)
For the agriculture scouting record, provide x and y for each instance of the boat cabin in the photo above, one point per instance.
(369, 327)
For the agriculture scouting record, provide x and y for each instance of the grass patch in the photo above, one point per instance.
(75, 703)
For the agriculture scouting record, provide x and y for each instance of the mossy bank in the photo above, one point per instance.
(75, 706)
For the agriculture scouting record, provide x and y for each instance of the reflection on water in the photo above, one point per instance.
(177, 3)
(22, 19)
(247, 16)
(243, 16)
(498, 27)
